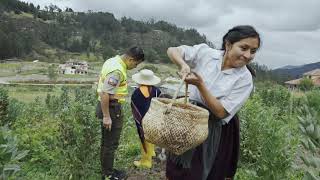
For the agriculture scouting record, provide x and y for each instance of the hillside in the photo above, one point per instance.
(293, 72)
(51, 34)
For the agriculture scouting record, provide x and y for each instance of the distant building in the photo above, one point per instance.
(314, 75)
(74, 67)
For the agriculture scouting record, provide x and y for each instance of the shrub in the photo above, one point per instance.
(310, 129)
(268, 144)
(306, 84)
(37, 132)
(10, 155)
(4, 103)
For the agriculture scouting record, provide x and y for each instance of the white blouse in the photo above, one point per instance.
(232, 87)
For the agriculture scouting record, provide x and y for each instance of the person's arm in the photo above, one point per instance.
(111, 82)
(211, 101)
(105, 98)
(186, 57)
(175, 56)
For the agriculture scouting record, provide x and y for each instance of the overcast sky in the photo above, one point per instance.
(290, 29)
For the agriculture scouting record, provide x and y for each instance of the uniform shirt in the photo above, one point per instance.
(111, 82)
(232, 87)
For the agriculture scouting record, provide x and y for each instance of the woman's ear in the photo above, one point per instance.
(228, 46)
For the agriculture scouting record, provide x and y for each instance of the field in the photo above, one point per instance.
(58, 135)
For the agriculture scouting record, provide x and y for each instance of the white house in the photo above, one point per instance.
(74, 67)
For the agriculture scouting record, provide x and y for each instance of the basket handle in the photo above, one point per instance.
(177, 91)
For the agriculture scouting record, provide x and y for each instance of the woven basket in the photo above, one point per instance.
(175, 126)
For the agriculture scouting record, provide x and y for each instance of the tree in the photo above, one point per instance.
(52, 74)
(108, 52)
(306, 84)
(3, 45)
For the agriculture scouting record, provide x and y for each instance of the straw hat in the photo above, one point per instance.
(146, 77)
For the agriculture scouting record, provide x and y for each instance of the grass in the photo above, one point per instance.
(25, 68)
(20, 16)
(28, 93)
(9, 66)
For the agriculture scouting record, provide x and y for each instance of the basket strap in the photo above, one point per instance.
(177, 91)
(186, 94)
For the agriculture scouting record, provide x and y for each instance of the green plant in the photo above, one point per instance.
(37, 132)
(52, 74)
(78, 142)
(4, 103)
(306, 84)
(275, 95)
(268, 143)
(310, 155)
(15, 109)
(10, 155)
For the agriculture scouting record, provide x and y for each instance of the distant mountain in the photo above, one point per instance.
(292, 72)
(289, 67)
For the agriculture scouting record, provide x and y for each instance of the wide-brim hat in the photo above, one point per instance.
(146, 77)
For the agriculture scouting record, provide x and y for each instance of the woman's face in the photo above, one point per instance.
(242, 52)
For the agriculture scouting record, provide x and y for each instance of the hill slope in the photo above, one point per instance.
(294, 72)
(27, 31)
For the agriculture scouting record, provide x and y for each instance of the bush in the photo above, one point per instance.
(268, 144)
(275, 95)
(306, 84)
(4, 103)
(313, 99)
(310, 130)
(10, 155)
(37, 132)
(78, 143)
(15, 109)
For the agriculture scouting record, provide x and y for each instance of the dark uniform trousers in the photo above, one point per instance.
(110, 139)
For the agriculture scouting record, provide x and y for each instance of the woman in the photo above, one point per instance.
(140, 103)
(220, 82)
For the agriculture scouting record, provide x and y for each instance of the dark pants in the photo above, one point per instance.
(110, 139)
(225, 164)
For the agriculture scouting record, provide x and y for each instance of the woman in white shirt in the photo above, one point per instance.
(220, 82)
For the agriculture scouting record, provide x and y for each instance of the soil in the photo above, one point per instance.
(157, 172)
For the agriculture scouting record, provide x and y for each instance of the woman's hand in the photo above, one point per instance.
(184, 71)
(194, 79)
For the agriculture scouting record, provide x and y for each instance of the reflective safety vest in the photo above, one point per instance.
(111, 65)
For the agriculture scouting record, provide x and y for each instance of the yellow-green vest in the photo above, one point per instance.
(111, 65)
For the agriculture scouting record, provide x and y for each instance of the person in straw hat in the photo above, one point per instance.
(221, 81)
(140, 103)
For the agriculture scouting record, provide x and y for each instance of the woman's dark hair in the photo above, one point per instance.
(238, 33)
(136, 53)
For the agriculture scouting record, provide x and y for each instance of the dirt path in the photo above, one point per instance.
(157, 172)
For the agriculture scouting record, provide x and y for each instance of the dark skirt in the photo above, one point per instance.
(225, 164)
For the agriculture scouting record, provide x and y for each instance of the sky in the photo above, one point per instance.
(289, 29)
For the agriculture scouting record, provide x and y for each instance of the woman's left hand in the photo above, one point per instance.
(194, 79)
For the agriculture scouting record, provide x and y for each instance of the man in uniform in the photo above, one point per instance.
(112, 89)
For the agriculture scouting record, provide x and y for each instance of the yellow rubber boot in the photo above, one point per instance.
(146, 158)
(150, 148)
